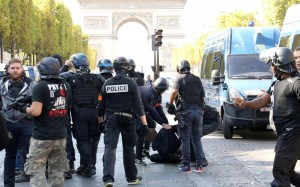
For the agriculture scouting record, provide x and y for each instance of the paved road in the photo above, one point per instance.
(244, 161)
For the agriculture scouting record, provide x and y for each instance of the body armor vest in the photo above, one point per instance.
(119, 95)
(86, 88)
(190, 91)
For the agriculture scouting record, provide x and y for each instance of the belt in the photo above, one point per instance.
(123, 114)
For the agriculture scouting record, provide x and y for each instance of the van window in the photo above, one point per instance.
(202, 71)
(296, 41)
(208, 66)
(219, 64)
(248, 66)
(285, 41)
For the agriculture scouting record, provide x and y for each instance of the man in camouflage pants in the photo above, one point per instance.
(50, 101)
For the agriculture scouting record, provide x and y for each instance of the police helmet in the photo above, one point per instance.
(183, 66)
(48, 68)
(283, 58)
(131, 64)
(161, 85)
(81, 62)
(105, 66)
(121, 63)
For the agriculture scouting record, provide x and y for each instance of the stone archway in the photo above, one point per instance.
(102, 19)
(120, 19)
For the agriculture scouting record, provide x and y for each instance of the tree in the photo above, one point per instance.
(235, 19)
(49, 28)
(4, 24)
(14, 38)
(26, 44)
(274, 11)
(64, 21)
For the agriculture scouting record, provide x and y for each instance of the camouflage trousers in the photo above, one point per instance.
(41, 151)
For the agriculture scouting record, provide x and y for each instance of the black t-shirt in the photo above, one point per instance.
(286, 104)
(55, 95)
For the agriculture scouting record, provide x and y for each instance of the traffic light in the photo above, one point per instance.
(158, 37)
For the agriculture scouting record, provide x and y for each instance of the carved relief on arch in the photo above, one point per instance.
(145, 19)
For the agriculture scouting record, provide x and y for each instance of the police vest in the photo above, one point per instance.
(190, 92)
(86, 88)
(118, 94)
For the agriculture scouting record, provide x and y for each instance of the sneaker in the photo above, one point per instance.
(204, 162)
(146, 153)
(140, 162)
(22, 178)
(137, 180)
(88, 172)
(19, 172)
(184, 169)
(108, 183)
(68, 175)
(79, 170)
(198, 169)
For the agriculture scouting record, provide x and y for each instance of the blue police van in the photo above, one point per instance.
(231, 68)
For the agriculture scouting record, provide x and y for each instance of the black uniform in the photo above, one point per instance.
(286, 95)
(85, 88)
(190, 110)
(120, 100)
(154, 114)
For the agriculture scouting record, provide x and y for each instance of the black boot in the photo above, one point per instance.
(22, 178)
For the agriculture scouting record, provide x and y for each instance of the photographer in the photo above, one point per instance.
(15, 87)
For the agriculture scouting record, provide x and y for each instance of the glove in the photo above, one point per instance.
(21, 108)
(171, 109)
(144, 129)
(101, 127)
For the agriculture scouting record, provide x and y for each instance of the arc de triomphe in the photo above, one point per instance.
(103, 18)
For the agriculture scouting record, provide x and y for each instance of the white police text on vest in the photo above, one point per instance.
(117, 88)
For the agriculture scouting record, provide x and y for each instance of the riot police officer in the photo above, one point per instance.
(190, 93)
(119, 101)
(285, 95)
(105, 68)
(85, 88)
(151, 97)
(136, 76)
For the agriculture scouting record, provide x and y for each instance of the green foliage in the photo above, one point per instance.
(4, 17)
(274, 11)
(33, 29)
(236, 19)
(191, 52)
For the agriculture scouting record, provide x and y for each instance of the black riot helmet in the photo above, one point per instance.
(81, 62)
(161, 85)
(283, 59)
(49, 68)
(131, 64)
(105, 66)
(183, 67)
(121, 63)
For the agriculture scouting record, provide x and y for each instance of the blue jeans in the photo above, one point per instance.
(191, 133)
(21, 132)
(20, 160)
(114, 125)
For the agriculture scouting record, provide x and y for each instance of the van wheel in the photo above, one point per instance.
(228, 130)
